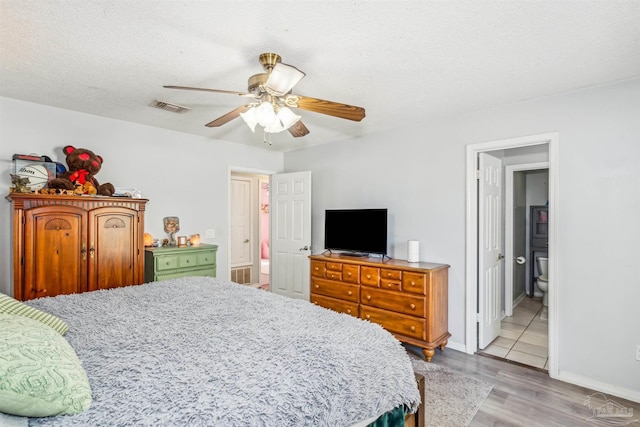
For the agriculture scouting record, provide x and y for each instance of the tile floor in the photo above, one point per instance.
(524, 336)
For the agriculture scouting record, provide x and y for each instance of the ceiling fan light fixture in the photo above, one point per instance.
(287, 117)
(250, 118)
(283, 78)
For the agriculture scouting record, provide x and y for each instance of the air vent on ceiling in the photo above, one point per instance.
(174, 108)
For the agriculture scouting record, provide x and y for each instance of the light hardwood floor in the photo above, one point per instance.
(525, 396)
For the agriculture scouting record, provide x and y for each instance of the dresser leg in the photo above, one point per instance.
(428, 353)
(443, 345)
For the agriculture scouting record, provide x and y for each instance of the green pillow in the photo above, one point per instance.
(40, 373)
(10, 305)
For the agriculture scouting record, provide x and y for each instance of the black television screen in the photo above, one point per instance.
(356, 230)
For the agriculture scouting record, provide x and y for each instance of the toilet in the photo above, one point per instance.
(542, 281)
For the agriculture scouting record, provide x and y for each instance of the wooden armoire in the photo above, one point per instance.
(73, 244)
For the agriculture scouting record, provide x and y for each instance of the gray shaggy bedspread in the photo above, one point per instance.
(200, 351)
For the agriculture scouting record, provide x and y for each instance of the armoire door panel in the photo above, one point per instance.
(55, 252)
(113, 250)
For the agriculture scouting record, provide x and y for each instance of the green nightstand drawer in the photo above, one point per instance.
(167, 262)
(207, 258)
(188, 260)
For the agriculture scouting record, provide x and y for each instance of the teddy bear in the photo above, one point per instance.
(83, 165)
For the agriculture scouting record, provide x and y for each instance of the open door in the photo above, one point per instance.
(490, 257)
(290, 234)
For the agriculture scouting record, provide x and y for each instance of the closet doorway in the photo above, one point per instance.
(249, 239)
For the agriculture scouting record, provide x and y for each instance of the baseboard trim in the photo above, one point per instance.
(613, 390)
(457, 346)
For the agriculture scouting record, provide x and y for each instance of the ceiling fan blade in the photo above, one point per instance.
(298, 129)
(228, 117)
(283, 78)
(330, 108)
(211, 90)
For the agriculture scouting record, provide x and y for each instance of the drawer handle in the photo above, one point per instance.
(316, 268)
(388, 274)
(187, 261)
(349, 274)
(413, 306)
(349, 293)
(167, 263)
(413, 328)
(368, 297)
(413, 283)
(389, 285)
(368, 317)
(349, 311)
(368, 276)
(317, 286)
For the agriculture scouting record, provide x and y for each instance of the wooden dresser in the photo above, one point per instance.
(172, 261)
(410, 300)
(72, 244)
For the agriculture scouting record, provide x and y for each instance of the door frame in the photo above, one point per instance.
(471, 268)
(510, 170)
(238, 169)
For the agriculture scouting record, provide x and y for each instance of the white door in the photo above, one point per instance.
(241, 253)
(490, 258)
(290, 234)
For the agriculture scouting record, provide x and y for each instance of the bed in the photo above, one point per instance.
(199, 351)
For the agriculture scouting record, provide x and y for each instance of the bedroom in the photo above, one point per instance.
(417, 169)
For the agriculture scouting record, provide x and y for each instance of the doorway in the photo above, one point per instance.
(523, 329)
(249, 239)
(510, 150)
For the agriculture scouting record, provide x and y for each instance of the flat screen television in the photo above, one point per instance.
(358, 231)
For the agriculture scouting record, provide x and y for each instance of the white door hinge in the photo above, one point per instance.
(478, 174)
(478, 317)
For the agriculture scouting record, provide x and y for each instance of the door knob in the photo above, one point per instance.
(521, 260)
(306, 248)
(500, 256)
(246, 240)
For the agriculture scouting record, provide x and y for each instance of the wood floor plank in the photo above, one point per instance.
(524, 396)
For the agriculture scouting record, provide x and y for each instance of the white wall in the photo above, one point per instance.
(418, 173)
(182, 175)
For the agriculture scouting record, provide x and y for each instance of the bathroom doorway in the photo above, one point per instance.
(523, 335)
(518, 151)
(249, 229)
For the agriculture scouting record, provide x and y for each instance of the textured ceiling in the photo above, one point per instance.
(403, 61)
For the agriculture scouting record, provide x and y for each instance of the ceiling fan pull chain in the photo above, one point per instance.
(266, 138)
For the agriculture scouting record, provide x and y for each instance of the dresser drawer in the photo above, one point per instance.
(388, 274)
(351, 273)
(207, 258)
(333, 275)
(370, 276)
(415, 283)
(335, 266)
(336, 290)
(167, 262)
(190, 260)
(338, 305)
(317, 268)
(396, 323)
(390, 284)
(395, 301)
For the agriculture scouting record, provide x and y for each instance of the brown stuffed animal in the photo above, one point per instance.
(83, 165)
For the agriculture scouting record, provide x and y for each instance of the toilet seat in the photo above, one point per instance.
(543, 277)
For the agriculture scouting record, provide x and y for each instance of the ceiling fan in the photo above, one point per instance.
(272, 92)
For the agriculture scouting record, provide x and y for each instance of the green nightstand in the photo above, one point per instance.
(170, 262)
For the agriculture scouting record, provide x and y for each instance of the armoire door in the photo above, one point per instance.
(114, 256)
(55, 251)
